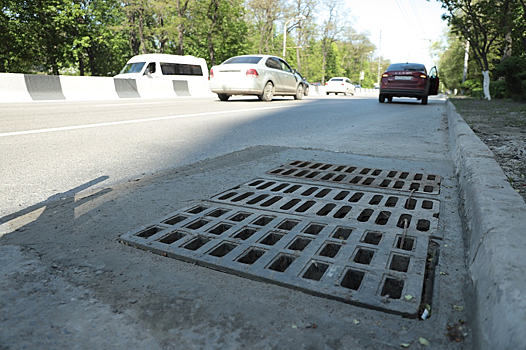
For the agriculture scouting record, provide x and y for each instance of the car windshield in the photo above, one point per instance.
(243, 59)
(133, 68)
(408, 67)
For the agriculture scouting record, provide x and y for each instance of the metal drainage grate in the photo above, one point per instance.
(357, 262)
(345, 174)
(377, 210)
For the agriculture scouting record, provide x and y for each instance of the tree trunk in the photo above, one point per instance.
(486, 85)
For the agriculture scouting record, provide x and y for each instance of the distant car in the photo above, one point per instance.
(338, 85)
(263, 76)
(306, 85)
(358, 86)
(408, 80)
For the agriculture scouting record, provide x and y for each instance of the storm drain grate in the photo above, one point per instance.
(353, 261)
(378, 210)
(371, 177)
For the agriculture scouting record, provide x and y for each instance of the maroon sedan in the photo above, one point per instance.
(408, 80)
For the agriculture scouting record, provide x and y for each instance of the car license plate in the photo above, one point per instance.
(402, 77)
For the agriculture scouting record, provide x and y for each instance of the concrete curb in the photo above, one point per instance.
(495, 218)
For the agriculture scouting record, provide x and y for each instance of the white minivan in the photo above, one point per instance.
(159, 75)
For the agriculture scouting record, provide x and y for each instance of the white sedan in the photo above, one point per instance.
(263, 76)
(340, 85)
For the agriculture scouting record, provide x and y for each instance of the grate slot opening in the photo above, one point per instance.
(325, 167)
(314, 229)
(172, 237)
(271, 201)
(428, 189)
(410, 204)
(376, 200)
(365, 215)
(398, 184)
(279, 187)
(218, 212)
(290, 204)
(385, 183)
(174, 220)
(301, 173)
(287, 225)
(340, 214)
(196, 243)
(326, 209)
(263, 220)
(399, 263)
(243, 196)
(240, 216)
(309, 191)
(305, 206)
(315, 166)
(418, 177)
(288, 172)
(251, 256)
(365, 171)
(352, 279)
(431, 177)
(408, 243)
(328, 176)
(383, 218)
(356, 179)
(255, 183)
(363, 256)
(340, 168)
(300, 243)
(292, 189)
(330, 250)
(403, 218)
(356, 197)
(427, 205)
(227, 196)
(223, 249)
(391, 202)
(312, 174)
(372, 237)
(282, 263)
(322, 193)
(277, 171)
(198, 224)
(423, 225)
(376, 172)
(340, 196)
(368, 181)
(257, 199)
(342, 233)
(271, 239)
(197, 210)
(316, 271)
(404, 175)
(414, 186)
(220, 229)
(392, 288)
(245, 233)
(265, 185)
(392, 174)
(350, 169)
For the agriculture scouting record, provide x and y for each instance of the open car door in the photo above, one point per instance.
(433, 81)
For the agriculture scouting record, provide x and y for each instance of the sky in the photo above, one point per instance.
(407, 27)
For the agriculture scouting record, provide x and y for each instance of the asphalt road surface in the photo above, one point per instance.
(51, 147)
(78, 176)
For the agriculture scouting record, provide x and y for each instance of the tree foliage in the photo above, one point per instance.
(96, 37)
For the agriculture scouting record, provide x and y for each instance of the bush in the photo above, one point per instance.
(513, 70)
(498, 89)
(473, 88)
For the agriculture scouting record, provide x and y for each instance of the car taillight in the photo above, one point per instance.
(423, 76)
(211, 73)
(327, 83)
(252, 73)
(385, 75)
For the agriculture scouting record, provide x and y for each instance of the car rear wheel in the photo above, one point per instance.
(424, 100)
(268, 92)
(299, 93)
(390, 99)
(223, 97)
(381, 98)
(327, 94)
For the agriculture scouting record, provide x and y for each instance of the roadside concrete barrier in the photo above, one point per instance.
(31, 87)
(495, 217)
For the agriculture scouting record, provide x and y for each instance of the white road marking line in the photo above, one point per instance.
(127, 104)
(86, 126)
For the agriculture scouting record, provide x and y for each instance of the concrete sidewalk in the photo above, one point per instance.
(495, 222)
